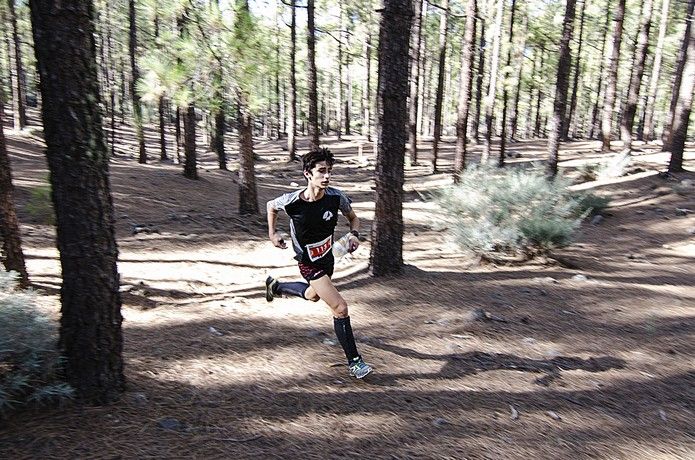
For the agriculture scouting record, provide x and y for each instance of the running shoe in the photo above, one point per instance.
(358, 368)
(270, 287)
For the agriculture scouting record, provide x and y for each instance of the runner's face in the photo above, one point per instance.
(320, 175)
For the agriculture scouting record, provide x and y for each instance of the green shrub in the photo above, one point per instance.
(513, 211)
(40, 205)
(29, 361)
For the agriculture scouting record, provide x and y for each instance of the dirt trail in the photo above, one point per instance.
(598, 365)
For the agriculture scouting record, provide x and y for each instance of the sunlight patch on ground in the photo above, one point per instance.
(314, 427)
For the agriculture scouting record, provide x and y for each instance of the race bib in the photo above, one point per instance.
(318, 250)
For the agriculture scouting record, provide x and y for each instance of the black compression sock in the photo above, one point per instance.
(295, 289)
(343, 331)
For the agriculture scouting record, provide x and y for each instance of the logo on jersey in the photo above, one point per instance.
(327, 216)
(320, 249)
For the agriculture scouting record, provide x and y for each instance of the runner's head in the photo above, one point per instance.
(318, 165)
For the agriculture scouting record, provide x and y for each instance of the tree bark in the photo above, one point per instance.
(560, 105)
(480, 76)
(678, 77)
(367, 97)
(640, 57)
(248, 201)
(292, 132)
(387, 230)
(415, 43)
(161, 106)
(135, 76)
(90, 326)
(681, 113)
(19, 78)
(311, 78)
(12, 255)
(514, 118)
(465, 81)
(611, 78)
(505, 93)
(190, 164)
(439, 97)
(539, 99)
(575, 83)
(492, 89)
(599, 86)
(648, 131)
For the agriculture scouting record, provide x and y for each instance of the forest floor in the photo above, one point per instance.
(593, 366)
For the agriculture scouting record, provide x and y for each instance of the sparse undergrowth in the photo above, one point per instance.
(516, 213)
(29, 361)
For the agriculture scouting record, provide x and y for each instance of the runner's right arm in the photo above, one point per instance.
(274, 236)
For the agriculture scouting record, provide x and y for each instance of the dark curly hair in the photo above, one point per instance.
(310, 159)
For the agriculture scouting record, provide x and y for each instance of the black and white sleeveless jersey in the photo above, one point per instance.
(312, 223)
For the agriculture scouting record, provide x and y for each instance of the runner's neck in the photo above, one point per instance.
(313, 193)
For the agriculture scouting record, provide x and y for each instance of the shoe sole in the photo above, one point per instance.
(269, 296)
(363, 376)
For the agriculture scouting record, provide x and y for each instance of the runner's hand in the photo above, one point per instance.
(277, 241)
(354, 243)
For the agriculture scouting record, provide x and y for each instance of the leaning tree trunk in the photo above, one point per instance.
(248, 200)
(505, 93)
(439, 95)
(90, 326)
(560, 105)
(575, 82)
(18, 82)
(135, 76)
(611, 78)
(12, 255)
(636, 74)
(492, 89)
(678, 77)
(648, 132)
(292, 132)
(465, 81)
(387, 230)
(311, 78)
(681, 113)
(415, 43)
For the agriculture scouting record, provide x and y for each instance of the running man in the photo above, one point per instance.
(313, 213)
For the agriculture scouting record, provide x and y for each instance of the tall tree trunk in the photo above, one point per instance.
(425, 73)
(90, 326)
(465, 81)
(311, 78)
(367, 95)
(439, 97)
(387, 230)
(339, 94)
(190, 164)
(575, 83)
(611, 78)
(278, 124)
(519, 57)
(220, 130)
(599, 85)
(248, 200)
(560, 105)
(505, 93)
(292, 132)
(161, 106)
(678, 77)
(492, 89)
(135, 76)
(648, 131)
(415, 42)
(10, 234)
(681, 114)
(19, 78)
(479, 79)
(539, 99)
(640, 57)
